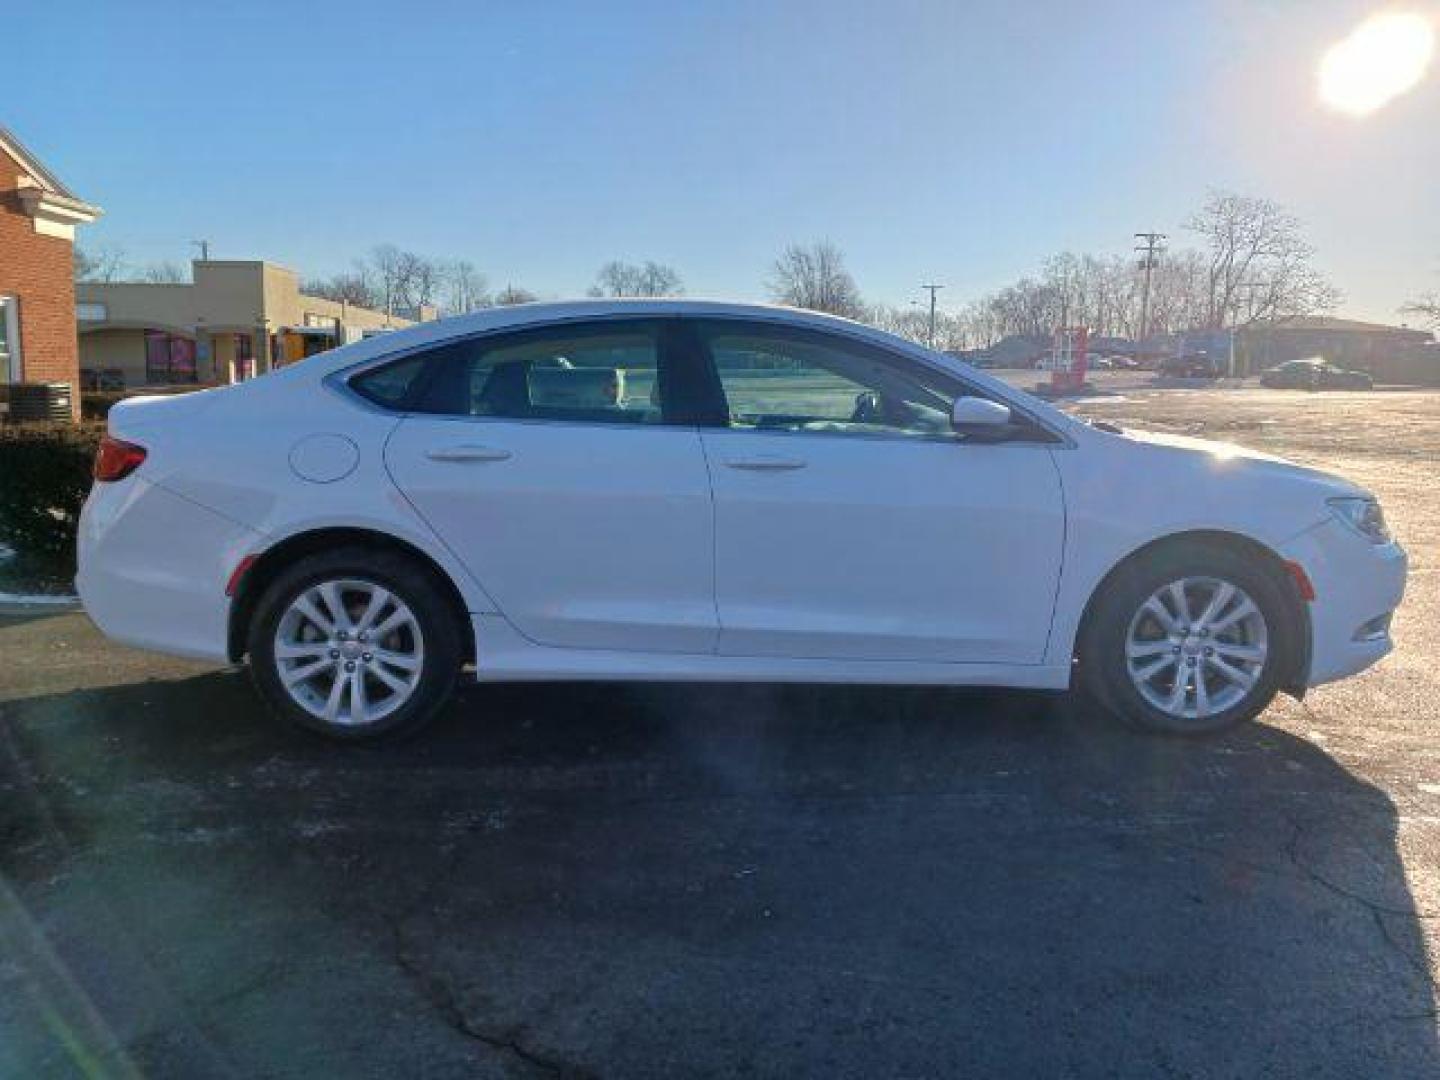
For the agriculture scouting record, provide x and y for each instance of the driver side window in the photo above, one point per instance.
(779, 381)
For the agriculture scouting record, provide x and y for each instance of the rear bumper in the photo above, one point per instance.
(153, 568)
(1357, 587)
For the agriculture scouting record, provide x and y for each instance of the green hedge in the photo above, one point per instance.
(44, 478)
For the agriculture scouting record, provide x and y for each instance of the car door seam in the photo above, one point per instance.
(714, 540)
(1064, 558)
(494, 605)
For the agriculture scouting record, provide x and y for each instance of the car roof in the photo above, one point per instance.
(524, 316)
(520, 316)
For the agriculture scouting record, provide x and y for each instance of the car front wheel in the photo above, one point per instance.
(355, 645)
(1192, 640)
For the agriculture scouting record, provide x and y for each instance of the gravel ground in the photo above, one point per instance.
(750, 880)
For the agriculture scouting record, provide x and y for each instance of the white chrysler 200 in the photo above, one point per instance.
(692, 491)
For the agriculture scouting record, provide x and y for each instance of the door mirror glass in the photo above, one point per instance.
(979, 416)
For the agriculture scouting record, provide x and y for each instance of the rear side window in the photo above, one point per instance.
(391, 385)
(595, 374)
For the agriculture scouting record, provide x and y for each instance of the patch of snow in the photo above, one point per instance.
(6, 553)
(37, 598)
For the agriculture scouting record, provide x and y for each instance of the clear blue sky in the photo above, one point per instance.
(931, 140)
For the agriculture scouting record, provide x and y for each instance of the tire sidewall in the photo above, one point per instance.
(413, 585)
(1103, 652)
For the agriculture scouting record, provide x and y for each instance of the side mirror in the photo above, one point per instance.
(977, 416)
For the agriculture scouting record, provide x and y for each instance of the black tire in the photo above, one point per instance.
(1103, 669)
(415, 585)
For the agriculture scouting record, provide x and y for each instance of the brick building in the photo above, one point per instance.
(38, 215)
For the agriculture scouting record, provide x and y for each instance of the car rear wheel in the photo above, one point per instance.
(1189, 640)
(355, 645)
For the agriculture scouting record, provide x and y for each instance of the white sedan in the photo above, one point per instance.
(699, 491)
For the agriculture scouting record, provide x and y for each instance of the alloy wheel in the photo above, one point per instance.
(349, 652)
(1196, 647)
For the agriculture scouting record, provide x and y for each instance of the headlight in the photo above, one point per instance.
(1364, 516)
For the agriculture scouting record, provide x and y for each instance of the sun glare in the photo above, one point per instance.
(1383, 57)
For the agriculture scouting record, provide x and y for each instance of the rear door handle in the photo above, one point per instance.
(765, 463)
(468, 453)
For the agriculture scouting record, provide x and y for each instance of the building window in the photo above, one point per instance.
(169, 358)
(9, 339)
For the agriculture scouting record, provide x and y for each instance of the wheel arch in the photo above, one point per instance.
(269, 563)
(1298, 660)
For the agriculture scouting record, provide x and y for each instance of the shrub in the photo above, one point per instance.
(95, 404)
(44, 478)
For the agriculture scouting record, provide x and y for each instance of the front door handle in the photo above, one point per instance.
(468, 453)
(765, 463)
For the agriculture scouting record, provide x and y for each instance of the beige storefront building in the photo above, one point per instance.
(234, 320)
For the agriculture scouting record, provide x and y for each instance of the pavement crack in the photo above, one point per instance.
(1418, 963)
(442, 998)
(1292, 854)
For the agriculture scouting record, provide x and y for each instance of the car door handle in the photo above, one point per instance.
(468, 453)
(765, 463)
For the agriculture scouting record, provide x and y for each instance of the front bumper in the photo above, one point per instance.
(1357, 586)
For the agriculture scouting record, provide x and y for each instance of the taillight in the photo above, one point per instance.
(117, 459)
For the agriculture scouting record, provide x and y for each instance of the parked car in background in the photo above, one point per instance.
(1195, 364)
(707, 491)
(1315, 374)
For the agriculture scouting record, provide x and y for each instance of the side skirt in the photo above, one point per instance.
(506, 656)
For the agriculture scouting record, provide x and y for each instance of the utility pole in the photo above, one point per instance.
(204, 246)
(1150, 245)
(1249, 288)
(933, 290)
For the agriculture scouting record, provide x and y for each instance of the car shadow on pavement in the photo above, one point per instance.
(637, 880)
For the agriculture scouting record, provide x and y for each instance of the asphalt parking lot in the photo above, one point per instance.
(631, 880)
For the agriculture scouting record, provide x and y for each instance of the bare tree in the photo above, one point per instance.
(629, 279)
(99, 264)
(351, 287)
(400, 282)
(513, 294)
(465, 287)
(1425, 307)
(913, 323)
(423, 279)
(815, 277)
(391, 268)
(163, 273)
(1267, 278)
(1259, 266)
